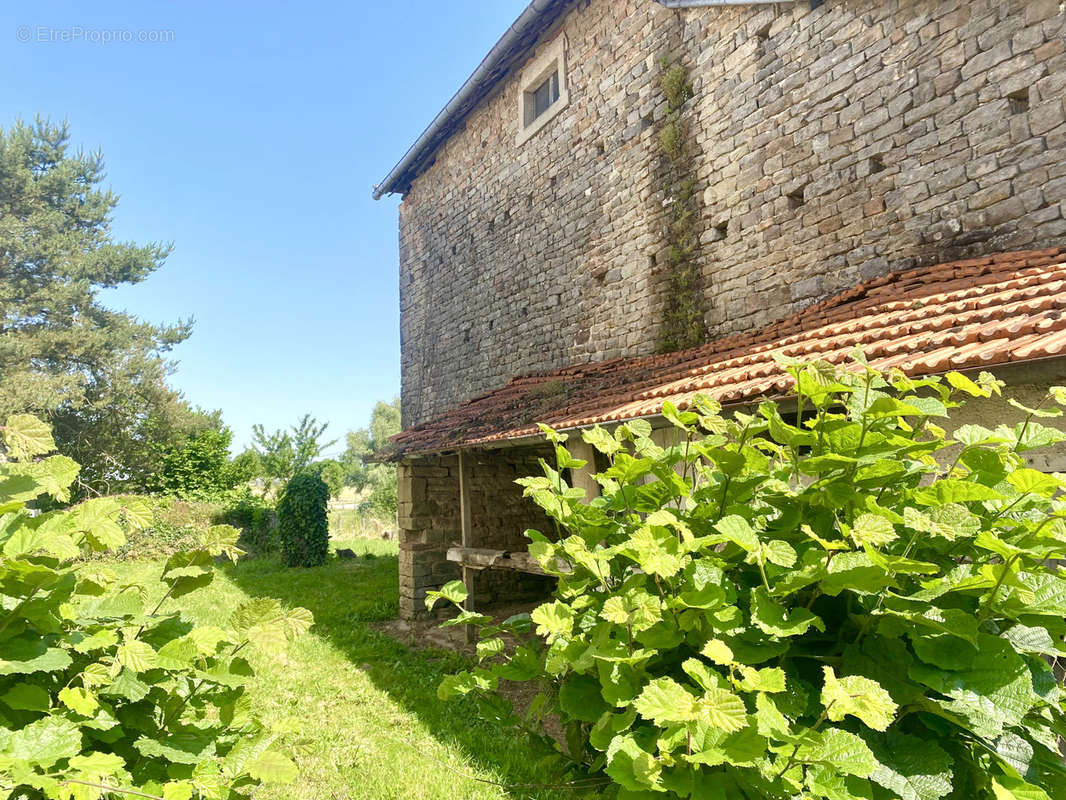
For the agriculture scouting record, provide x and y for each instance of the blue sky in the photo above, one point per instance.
(251, 141)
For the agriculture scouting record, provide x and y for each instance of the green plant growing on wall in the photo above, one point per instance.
(684, 322)
(303, 522)
(104, 693)
(771, 608)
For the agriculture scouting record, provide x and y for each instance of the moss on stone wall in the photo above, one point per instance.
(683, 325)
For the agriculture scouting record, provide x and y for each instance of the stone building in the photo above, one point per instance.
(637, 200)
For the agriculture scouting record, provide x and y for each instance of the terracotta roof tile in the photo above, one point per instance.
(970, 314)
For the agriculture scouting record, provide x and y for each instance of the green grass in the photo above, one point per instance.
(367, 704)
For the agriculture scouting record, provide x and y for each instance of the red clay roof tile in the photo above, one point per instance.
(970, 314)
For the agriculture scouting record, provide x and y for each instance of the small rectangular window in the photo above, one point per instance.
(545, 94)
(543, 89)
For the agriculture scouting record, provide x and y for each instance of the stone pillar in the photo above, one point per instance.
(430, 521)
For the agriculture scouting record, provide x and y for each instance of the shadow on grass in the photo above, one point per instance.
(346, 596)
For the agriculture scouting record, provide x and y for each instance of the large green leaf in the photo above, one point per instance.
(553, 619)
(1006, 787)
(45, 741)
(27, 697)
(1048, 596)
(608, 726)
(26, 436)
(186, 746)
(601, 440)
(944, 651)
(995, 691)
(768, 679)
(136, 656)
(178, 790)
(1037, 640)
(666, 702)
(98, 765)
(858, 696)
(636, 609)
(127, 685)
(580, 698)
(931, 619)
(631, 766)
(773, 618)
(745, 747)
(857, 572)
(873, 530)
(886, 661)
(825, 781)
(453, 591)
(98, 519)
(736, 529)
(722, 709)
(702, 586)
(55, 474)
(656, 551)
(954, 491)
(839, 749)
(911, 767)
(26, 655)
(188, 571)
(78, 700)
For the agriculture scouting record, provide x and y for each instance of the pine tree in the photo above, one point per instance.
(99, 375)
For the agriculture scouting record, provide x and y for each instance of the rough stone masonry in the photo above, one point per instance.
(827, 146)
(830, 146)
(429, 522)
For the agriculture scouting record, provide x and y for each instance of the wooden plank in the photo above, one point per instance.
(582, 478)
(479, 558)
(466, 528)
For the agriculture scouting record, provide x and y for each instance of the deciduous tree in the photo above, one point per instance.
(285, 453)
(363, 444)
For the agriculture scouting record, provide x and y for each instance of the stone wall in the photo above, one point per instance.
(429, 523)
(828, 146)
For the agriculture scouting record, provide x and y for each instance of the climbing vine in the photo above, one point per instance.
(683, 326)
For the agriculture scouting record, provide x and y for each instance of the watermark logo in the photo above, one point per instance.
(47, 34)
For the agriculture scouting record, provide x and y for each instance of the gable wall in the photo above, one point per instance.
(516, 259)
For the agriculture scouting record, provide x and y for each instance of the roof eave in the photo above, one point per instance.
(538, 17)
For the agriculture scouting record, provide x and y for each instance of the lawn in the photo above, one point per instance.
(367, 703)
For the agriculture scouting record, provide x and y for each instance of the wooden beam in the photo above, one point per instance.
(582, 478)
(466, 529)
(478, 558)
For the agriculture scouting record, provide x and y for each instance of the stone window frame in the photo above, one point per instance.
(551, 60)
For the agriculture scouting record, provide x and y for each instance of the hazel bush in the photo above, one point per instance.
(828, 598)
(103, 693)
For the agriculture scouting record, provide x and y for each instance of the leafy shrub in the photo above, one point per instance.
(816, 609)
(195, 466)
(101, 692)
(303, 526)
(256, 520)
(172, 525)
